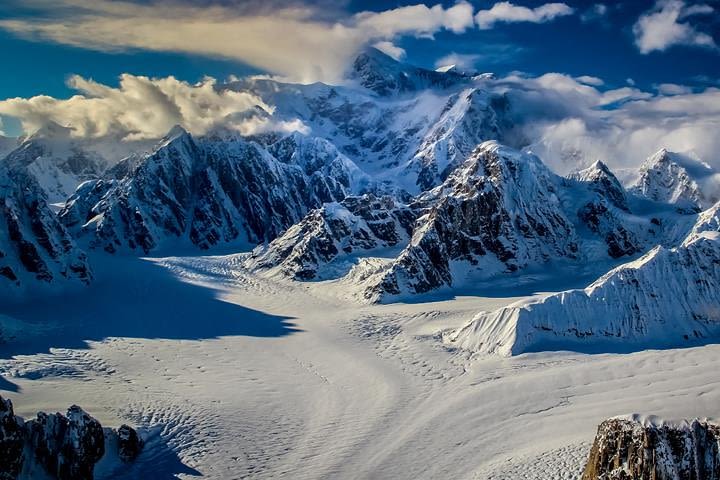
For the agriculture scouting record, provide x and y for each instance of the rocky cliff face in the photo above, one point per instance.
(498, 212)
(219, 189)
(65, 447)
(355, 226)
(668, 297)
(35, 248)
(640, 449)
(12, 441)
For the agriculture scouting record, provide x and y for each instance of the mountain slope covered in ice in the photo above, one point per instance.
(668, 297)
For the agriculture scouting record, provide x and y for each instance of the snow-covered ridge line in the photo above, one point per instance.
(668, 297)
(211, 190)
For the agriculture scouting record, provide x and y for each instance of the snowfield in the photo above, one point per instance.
(236, 375)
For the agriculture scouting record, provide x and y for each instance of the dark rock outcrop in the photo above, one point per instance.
(67, 447)
(12, 440)
(129, 443)
(634, 449)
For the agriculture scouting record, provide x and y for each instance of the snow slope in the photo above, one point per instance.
(668, 297)
(234, 375)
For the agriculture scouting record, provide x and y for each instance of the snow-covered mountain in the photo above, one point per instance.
(7, 145)
(35, 248)
(674, 178)
(498, 212)
(406, 125)
(385, 76)
(503, 211)
(356, 226)
(667, 297)
(217, 189)
(60, 162)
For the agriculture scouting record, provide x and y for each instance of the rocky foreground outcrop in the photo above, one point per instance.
(65, 447)
(636, 448)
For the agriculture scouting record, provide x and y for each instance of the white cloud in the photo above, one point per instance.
(390, 49)
(571, 124)
(663, 27)
(297, 42)
(506, 12)
(416, 20)
(589, 80)
(144, 108)
(673, 89)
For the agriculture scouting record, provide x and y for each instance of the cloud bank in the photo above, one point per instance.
(143, 108)
(570, 124)
(668, 24)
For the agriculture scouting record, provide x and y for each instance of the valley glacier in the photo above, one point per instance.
(403, 289)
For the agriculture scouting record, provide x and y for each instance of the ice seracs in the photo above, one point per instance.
(668, 297)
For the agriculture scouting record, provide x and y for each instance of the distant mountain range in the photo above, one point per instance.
(409, 181)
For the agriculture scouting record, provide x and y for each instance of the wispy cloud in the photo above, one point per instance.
(296, 41)
(669, 23)
(506, 12)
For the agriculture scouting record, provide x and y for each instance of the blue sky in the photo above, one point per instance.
(44, 42)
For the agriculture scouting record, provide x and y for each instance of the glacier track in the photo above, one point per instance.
(264, 378)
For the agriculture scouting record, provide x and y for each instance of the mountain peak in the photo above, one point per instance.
(50, 131)
(386, 76)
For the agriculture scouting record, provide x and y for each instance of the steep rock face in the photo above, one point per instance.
(383, 75)
(470, 117)
(67, 446)
(667, 297)
(129, 443)
(603, 212)
(12, 441)
(601, 180)
(638, 449)
(498, 212)
(665, 178)
(356, 225)
(217, 189)
(34, 246)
